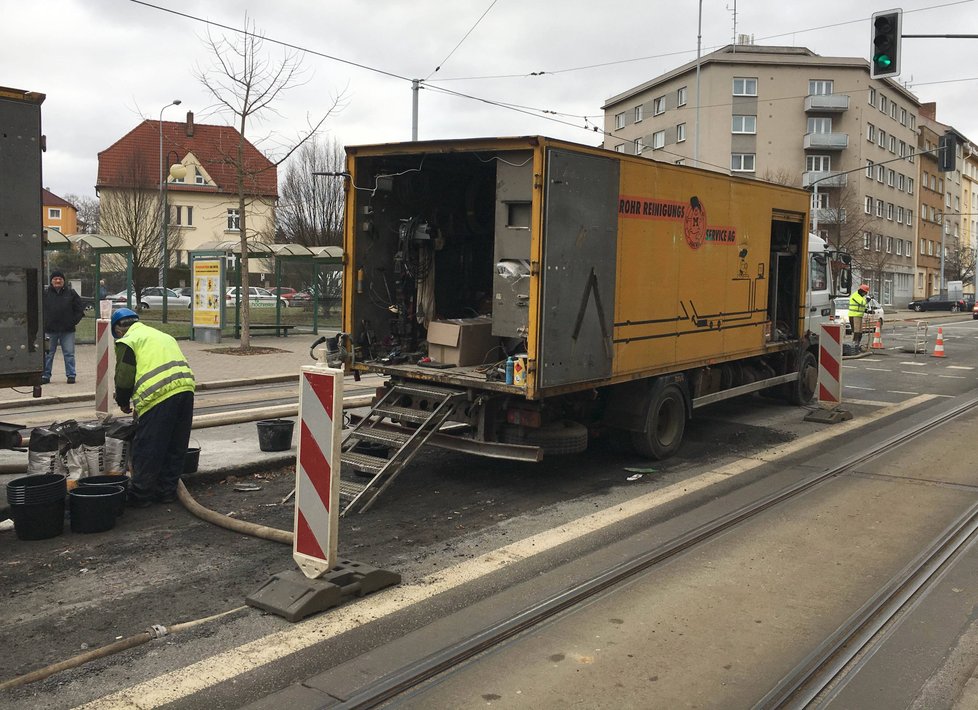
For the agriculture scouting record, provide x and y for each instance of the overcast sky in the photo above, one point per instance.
(107, 64)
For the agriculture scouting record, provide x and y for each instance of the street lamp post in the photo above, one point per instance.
(164, 211)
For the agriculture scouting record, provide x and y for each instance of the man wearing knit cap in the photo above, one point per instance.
(63, 310)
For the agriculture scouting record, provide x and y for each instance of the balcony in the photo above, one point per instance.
(827, 141)
(826, 103)
(824, 179)
(829, 215)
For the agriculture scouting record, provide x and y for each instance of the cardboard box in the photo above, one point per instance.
(462, 341)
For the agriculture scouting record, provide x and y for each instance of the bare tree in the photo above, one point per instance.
(310, 210)
(131, 210)
(88, 213)
(960, 265)
(246, 83)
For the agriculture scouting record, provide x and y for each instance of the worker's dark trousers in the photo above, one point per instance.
(159, 447)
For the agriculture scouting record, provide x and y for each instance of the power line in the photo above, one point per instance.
(442, 62)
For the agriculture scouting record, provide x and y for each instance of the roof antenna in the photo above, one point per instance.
(733, 11)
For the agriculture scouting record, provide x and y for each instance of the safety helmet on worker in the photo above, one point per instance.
(864, 287)
(122, 314)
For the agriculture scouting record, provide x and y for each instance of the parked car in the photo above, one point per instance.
(285, 292)
(938, 302)
(874, 313)
(974, 312)
(258, 297)
(185, 291)
(152, 297)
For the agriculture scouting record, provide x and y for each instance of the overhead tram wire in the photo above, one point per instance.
(684, 51)
(537, 113)
(464, 37)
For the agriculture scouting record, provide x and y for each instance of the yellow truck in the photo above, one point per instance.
(527, 294)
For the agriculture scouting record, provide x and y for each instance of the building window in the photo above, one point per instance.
(681, 96)
(176, 217)
(870, 132)
(820, 200)
(902, 182)
(893, 144)
(890, 177)
(910, 185)
(923, 249)
(869, 169)
(879, 208)
(880, 173)
(872, 97)
(620, 148)
(869, 205)
(639, 146)
(638, 113)
(658, 140)
(680, 132)
(903, 149)
(818, 163)
(884, 103)
(867, 240)
(199, 178)
(819, 125)
(742, 162)
(619, 120)
(234, 220)
(659, 105)
(889, 245)
(889, 211)
(879, 242)
(930, 248)
(881, 138)
(54, 213)
(819, 87)
(744, 86)
(190, 216)
(743, 124)
(913, 122)
(893, 110)
(903, 116)
(899, 215)
(899, 246)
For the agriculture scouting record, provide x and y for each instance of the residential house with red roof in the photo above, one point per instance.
(203, 205)
(57, 212)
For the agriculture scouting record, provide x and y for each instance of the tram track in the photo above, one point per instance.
(816, 676)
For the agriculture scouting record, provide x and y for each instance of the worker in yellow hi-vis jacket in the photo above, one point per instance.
(857, 309)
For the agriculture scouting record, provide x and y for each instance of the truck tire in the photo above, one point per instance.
(556, 438)
(802, 389)
(665, 424)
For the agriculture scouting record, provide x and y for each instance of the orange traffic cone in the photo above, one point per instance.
(877, 338)
(939, 345)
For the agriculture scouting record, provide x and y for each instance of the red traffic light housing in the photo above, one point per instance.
(884, 49)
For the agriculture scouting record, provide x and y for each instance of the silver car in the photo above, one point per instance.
(152, 297)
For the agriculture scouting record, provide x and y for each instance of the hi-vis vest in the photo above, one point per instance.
(161, 369)
(857, 305)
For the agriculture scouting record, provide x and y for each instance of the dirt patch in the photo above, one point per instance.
(236, 350)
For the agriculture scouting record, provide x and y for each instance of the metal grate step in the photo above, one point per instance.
(383, 436)
(363, 462)
(406, 413)
(421, 390)
(351, 489)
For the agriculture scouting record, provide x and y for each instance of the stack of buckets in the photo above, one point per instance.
(37, 504)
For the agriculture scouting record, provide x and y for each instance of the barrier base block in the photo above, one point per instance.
(294, 596)
(828, 416)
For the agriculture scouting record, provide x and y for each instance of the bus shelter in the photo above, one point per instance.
(324, 260)
(103, 244)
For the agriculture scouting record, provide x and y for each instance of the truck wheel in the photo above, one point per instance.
(664, 424)
(556, 438)
(802, 390)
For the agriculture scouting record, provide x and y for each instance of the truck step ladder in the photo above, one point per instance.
(436, 404)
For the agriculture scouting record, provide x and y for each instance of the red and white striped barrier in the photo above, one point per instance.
(829, 366)
(317, 470)
(103, 344)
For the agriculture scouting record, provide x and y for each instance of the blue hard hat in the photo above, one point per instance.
(121, 314)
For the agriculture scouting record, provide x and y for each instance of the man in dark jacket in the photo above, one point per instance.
(63, 309)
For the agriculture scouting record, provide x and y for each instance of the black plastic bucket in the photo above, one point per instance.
(37, 489)
(192, 460)
(40, 521)
(92, 509)
(111, 479)
(275, 434)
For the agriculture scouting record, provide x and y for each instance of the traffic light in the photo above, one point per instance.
(947, 148)
(884, 51)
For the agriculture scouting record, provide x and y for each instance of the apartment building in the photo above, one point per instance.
(57, 212)
(930, 231)
(788, 115)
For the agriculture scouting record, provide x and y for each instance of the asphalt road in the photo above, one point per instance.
(161, 566)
